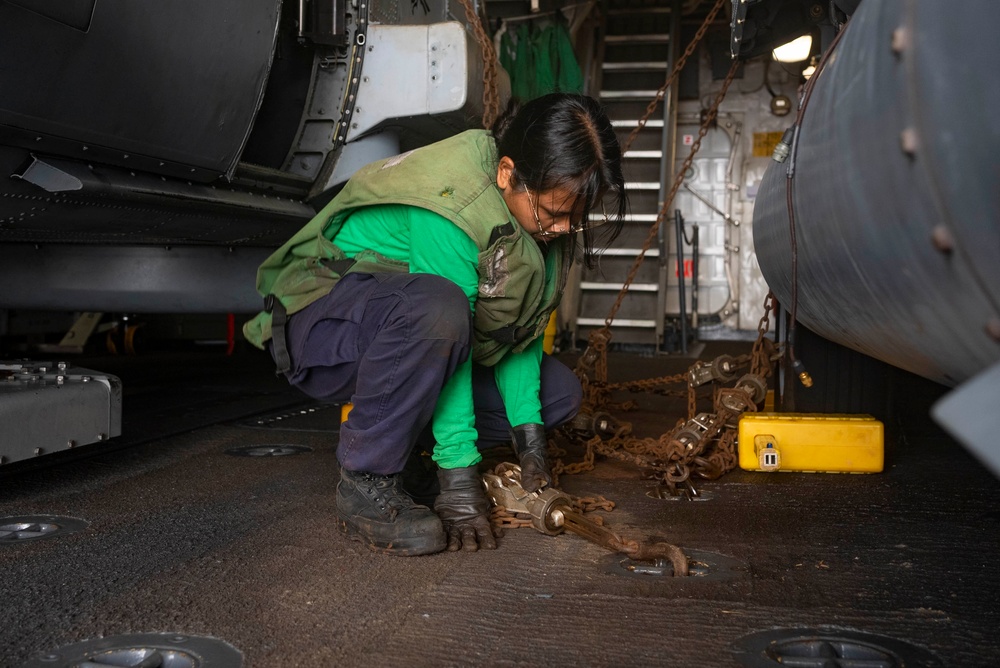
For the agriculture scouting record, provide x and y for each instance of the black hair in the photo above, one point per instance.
(565, 140)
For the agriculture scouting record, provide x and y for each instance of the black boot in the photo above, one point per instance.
(374, 509)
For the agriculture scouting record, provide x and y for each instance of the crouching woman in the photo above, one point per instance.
(421, 294)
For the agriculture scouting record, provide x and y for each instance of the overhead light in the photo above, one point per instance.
(795, 51)
(810, 68)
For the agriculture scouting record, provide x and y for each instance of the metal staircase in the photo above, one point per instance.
(639, 49)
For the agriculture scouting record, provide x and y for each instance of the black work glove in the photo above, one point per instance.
(464, 510)
(531, 448)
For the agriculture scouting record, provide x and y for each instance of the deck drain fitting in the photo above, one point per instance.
(268, 450)
(702, 565)
(163, 650)
(828, 648)
(35, 527)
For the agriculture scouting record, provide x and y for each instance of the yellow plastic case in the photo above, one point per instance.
(811, 443)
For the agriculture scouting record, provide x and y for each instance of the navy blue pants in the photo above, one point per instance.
(389, 343)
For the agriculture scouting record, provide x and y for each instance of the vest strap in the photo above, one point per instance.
(499, 231)
(279, 346)
(339, 266)
(510, 335)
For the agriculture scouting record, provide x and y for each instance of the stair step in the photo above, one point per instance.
(628, 252)
(629, 123)
(632, 11)
(651, 38)
(642, 185)
(640, 218)
(639, 155)
(636, 66)
(631, 218)
(619, 322)
(628, 94)
(616, 287)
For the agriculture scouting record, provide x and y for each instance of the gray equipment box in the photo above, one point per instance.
(49, 407)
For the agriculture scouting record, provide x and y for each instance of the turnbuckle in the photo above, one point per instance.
(547, 507)
(600, 423)
(552, 513)
(722, 369)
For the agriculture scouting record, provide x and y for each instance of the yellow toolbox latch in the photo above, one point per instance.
(768, 457)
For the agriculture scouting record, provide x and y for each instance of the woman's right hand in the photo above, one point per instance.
(464, 510)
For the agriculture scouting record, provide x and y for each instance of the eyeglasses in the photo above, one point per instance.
(573, 227)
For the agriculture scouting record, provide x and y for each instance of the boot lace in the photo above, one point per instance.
(386, 492)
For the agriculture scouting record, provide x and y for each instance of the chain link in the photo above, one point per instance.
(763, 352)
(669, 200)
(491, 94)
(703, 446)
(678, 66)
(593, 363)
(671, 457)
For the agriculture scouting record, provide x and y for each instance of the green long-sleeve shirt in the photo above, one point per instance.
(431, 244)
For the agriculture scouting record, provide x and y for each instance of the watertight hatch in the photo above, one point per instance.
(142, 650)
(34, 527)
(829, 648)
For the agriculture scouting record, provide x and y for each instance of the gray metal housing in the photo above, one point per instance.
(134, 129)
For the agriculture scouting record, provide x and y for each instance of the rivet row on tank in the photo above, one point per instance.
(909, 141)
(900, 40)
(993, 328)
(942, 239)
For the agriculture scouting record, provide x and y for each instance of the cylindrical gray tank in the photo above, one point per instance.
(896, 191)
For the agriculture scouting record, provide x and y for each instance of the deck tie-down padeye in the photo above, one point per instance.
(552, 513)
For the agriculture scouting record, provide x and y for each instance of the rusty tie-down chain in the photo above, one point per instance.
(669, 200)
(703, 446)
(491, 94)
(685, 449)
(592, 370)
(593, 363)
(678, 66)
(764, 349)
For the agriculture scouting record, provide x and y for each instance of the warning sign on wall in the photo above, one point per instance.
(687, 140)
(764, 143)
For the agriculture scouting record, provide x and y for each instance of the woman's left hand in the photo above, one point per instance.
(531, 446)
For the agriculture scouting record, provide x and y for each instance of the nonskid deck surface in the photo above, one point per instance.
(185, 537)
